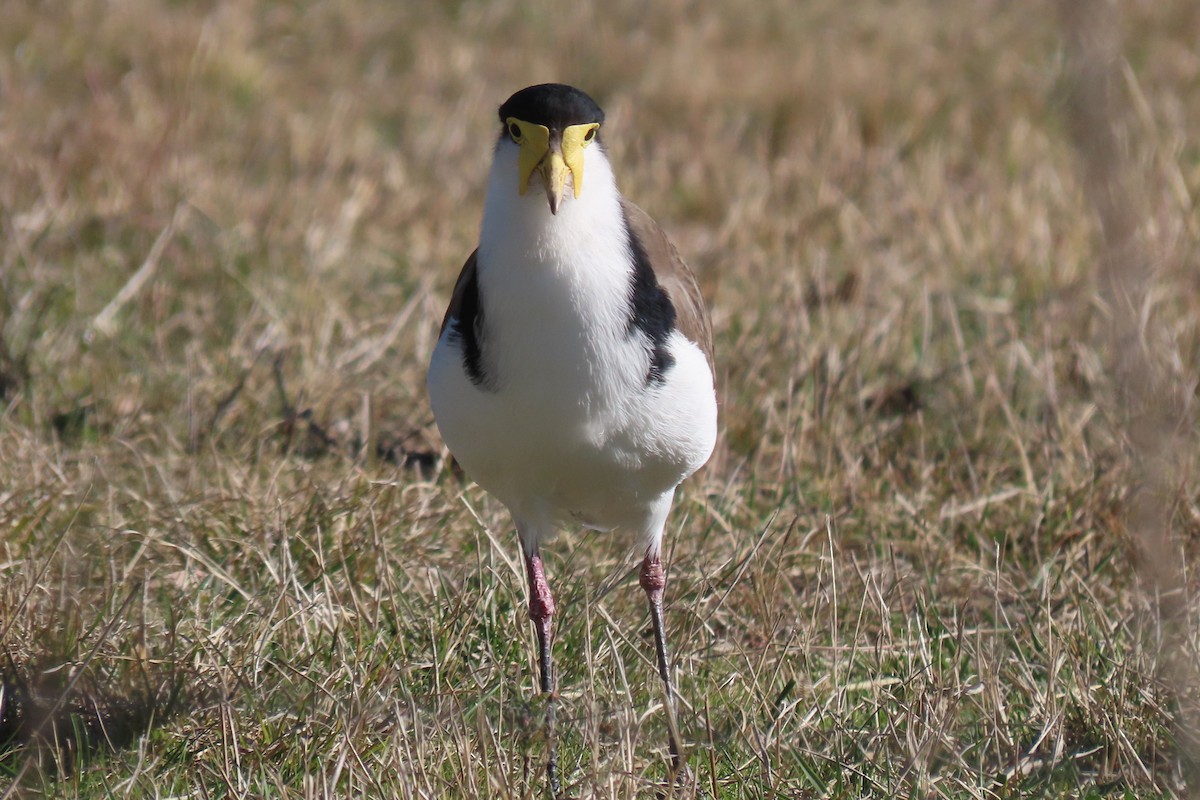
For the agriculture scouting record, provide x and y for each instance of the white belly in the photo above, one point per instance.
(571, 441)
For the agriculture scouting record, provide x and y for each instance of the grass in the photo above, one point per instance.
(946, 546)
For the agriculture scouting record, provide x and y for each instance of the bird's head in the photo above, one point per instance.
(552, 124)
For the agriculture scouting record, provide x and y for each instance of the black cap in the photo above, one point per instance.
(554, 105)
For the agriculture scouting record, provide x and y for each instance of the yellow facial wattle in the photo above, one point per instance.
(552, 156)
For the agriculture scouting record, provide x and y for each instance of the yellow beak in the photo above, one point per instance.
(554, 171)
(553, 159)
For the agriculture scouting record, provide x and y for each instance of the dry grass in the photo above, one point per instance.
(228, 544)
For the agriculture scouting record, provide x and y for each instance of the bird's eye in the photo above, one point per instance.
(591, 134)
(514, 130)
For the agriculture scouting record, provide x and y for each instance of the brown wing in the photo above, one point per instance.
(691, 313)
(466, 279)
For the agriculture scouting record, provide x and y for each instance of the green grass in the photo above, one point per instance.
(924, 561)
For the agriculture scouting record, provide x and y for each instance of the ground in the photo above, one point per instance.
(945, 548)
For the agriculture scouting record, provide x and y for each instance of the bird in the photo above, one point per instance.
(573, 375)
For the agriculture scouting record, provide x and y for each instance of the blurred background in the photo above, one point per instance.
(945, 548)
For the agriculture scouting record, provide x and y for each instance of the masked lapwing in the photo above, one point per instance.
(573, 376)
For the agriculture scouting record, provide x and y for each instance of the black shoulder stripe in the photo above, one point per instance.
(467, 326)
(650, 310)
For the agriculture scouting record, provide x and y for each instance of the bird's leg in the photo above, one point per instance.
(653, 580)
(541, 611)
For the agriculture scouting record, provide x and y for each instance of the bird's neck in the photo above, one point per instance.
(531, 261)
(555, 288)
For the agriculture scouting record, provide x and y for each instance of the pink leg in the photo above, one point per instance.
(541, 611)
(654, 580)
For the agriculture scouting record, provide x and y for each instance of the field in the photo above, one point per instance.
(946, 547)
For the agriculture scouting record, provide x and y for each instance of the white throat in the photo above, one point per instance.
(555, 287)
